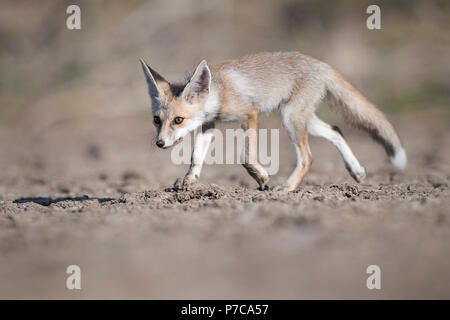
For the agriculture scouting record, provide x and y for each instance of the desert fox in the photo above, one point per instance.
(237, 90)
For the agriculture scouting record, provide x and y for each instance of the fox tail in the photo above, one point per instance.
(360, 112)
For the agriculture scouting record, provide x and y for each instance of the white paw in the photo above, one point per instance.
(359, 174)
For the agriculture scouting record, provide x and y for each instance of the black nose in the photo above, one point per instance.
(160, 143)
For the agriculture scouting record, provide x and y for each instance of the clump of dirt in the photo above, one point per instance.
(170, 197)
(198, 191)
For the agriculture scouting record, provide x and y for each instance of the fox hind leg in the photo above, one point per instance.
(294, 122)
(318, 128)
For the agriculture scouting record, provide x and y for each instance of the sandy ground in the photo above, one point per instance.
(93, 193)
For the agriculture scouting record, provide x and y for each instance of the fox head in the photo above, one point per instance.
(177, 108)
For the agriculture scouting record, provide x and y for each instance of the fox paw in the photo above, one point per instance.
(263, 183)
(183, 182)
(358, 174)
(282, 189)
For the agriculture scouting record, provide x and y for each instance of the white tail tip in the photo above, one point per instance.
(399, 159)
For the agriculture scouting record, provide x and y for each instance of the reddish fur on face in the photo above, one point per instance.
(175, 107)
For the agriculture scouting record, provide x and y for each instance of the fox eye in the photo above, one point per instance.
(157, 120)
(178, 120)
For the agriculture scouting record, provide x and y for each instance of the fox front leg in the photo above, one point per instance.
(202, 141)
(249, 154)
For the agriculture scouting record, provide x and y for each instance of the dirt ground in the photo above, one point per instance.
(94, 193)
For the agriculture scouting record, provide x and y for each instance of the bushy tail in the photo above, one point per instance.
(363, 114)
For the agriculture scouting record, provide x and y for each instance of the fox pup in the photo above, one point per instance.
(237, 90)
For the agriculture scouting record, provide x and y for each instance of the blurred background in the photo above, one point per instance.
(50, 74)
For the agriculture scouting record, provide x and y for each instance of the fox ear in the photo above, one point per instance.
(154, 80)
(199, 83)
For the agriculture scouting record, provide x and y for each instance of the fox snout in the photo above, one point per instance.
(160, 143)
(167, 143)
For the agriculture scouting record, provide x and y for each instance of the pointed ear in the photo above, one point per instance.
(199, 83)
(155, 81)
